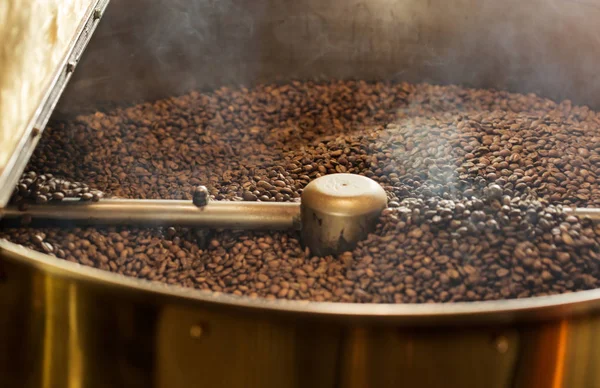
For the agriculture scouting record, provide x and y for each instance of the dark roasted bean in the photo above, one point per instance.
(476, 181)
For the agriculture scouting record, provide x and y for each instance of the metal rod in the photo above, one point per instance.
(217, 214)
(581, 212)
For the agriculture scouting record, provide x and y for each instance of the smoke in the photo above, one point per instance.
(548, 47)
(146, 50)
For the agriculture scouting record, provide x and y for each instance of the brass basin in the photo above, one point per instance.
(66, 325)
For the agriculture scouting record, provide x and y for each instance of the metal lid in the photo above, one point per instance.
(24, 122)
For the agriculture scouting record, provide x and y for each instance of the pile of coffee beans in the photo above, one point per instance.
(43, 188)
(476, 182)
(477, 249)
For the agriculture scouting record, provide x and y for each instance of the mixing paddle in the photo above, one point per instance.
(336, 211)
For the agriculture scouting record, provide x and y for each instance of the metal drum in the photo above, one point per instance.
(66, 325)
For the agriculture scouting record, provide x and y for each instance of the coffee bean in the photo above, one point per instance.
(502, 272)
(248, 196)
(58, 196)
(87, 196)
(495, 192)
(47, 247)
(567, 239)
(475, 179)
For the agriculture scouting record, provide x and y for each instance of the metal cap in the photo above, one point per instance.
(338, 211)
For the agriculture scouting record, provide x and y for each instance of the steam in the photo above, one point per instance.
(147, 50)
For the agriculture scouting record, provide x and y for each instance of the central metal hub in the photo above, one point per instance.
(338, 210)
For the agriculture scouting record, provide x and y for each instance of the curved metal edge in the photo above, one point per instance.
(470, 313)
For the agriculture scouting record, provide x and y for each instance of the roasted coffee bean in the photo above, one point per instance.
(248, 196)
(40, 188)
(476, 181)
(495, 191)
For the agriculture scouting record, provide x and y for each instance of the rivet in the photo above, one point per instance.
(196, 331)
(501, 344)
(70, 67)
(35, 132)
(97, 14)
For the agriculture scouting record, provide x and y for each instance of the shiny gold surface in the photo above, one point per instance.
(60, 331)
(338, 211)
(64, 325)
(402, 315)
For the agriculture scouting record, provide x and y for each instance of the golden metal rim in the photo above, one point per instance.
(435, 314)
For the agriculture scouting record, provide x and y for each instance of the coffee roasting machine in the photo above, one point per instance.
(66, 325)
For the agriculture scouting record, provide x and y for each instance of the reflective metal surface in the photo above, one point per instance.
(592, 214)
(232, 215)
(19, 156)
(149, 50)
(217, 214)
(64, 325)
(338, 211)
